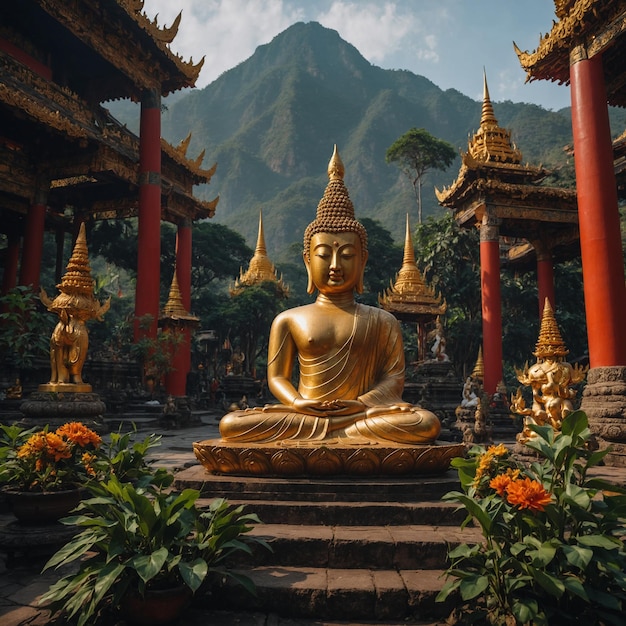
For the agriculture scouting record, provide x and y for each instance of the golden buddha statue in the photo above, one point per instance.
(350, 356)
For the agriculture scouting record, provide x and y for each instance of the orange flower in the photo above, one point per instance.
(500, 484)
(35, 445)
(87, 459)
(58, 447)
(79, 434)
(528, 494)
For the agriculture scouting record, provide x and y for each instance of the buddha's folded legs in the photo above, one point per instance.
(416, 426)
(253, 425)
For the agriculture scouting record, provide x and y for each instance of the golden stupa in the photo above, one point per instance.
(261, 269)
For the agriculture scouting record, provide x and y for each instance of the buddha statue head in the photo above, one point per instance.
(335, 215)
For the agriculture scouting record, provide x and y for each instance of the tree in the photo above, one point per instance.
(416, 152)
(385, 260)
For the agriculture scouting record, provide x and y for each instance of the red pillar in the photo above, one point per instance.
(9, 278)
(176, 379)
(176, 382)
(545, 276)
(491, 303)
(149, 223)
(600, 239)
(32, 250)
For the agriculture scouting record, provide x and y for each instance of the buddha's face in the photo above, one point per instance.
(336, 264)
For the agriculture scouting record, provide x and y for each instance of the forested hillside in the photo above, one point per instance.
(271, 122)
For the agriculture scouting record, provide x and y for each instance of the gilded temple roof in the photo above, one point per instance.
(597, 25)
(409, 295)
(261, 269)
(174, 309)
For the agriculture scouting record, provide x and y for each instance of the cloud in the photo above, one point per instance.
(225, 32)
(377, 30)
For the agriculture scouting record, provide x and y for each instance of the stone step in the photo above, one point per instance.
(376, 547)
(318, 489)
(337, 594)
(350, 513)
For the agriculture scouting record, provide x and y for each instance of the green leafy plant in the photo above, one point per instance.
(553, 549)
(21, 324)
(126, 458)
(135, 540)
(41, 461)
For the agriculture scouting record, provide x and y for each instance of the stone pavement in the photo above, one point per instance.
(22, 584)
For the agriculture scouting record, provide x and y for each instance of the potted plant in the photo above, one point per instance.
(42, 472)
(553, 549)
(138, 545)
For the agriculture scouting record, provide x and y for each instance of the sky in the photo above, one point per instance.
(449, 42)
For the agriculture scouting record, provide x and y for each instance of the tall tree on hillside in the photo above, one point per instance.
(416, 152)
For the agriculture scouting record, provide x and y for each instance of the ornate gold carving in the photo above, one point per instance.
(174, 309)
(220, 457)
(75, 305)
(550, 380)
(410, 291)
(260, 270)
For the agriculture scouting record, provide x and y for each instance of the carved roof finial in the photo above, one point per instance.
(550, 343)
(174, 308)
(478, 373)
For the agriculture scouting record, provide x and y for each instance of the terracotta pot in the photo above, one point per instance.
(39, 508)
(157, 606)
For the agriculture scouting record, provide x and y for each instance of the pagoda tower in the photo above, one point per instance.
(260, 269)
(175, 318)
(410, 299)
(495, 192)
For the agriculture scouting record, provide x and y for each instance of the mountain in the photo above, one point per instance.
(271, 123)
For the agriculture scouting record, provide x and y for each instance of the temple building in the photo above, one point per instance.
(260, 269)
(410, 299)
(500, 195)
(65, 160)
(586, 48)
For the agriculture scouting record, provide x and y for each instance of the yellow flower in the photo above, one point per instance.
(528, 494)
(87, 460)
(499, 450)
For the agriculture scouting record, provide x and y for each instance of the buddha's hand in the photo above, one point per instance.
(328, 408)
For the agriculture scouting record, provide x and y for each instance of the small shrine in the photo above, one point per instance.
(178, 322)
(431, 381)
(501, 196)
(260, 269)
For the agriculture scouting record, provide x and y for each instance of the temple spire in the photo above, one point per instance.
(260, 249)
(261, 269)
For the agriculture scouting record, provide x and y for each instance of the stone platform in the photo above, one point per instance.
(332, 457)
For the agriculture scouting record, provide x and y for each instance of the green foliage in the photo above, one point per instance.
(249, 315)
(449, 256)
(417, 152)
(23, 336)
(385, 259)
(140, 539)
(126, 458)
(553, 549)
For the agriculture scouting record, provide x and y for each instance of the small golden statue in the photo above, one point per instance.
(550, 379)
(75, 305)
(350, 356)
(15, 391)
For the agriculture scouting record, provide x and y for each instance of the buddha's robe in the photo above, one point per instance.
(369, 367)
